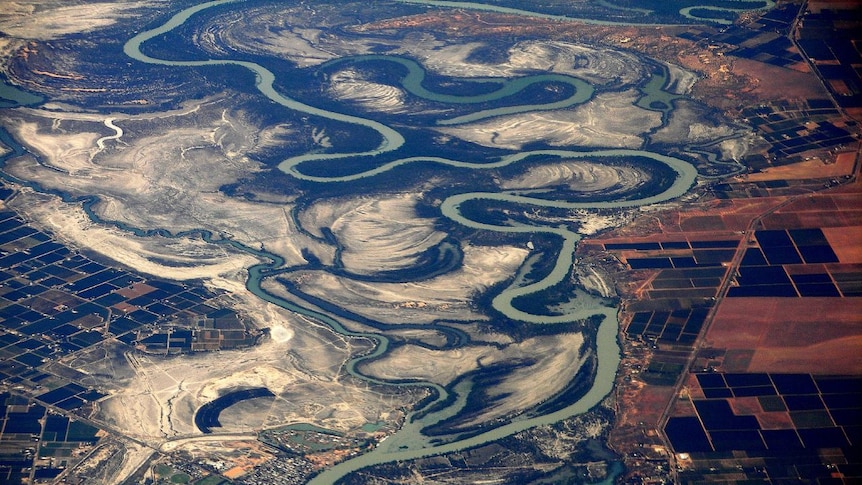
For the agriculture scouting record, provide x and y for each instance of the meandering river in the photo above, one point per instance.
(409, 443)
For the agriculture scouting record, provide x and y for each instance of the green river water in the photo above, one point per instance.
(409, 442)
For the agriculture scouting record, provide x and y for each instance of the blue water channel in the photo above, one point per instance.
(409, 442)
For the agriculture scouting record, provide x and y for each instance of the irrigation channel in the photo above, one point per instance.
(409, 442)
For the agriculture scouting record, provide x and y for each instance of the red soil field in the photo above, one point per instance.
(745, 405)
(775, 420)
(846, 242)
(651, 402)
(794, 84)
(786, 335)
(839, 209)
(125, 307)
(135, 290)
(803, 170)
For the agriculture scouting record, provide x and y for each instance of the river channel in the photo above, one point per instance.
(409, 443)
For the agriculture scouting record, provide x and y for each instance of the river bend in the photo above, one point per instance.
(408, 443)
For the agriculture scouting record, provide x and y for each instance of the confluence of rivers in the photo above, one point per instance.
(408, 443)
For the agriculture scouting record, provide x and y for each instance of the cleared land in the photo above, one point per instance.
(794, 335)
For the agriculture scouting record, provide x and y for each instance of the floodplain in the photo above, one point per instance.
(325, 241)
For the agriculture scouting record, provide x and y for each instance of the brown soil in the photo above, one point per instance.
(775, 420)
(793, 85)
(135, 290)
(820, 335)
(650, 403)
(846, 242)
(814, 168)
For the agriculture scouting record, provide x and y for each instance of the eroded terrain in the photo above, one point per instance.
(391, 221)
